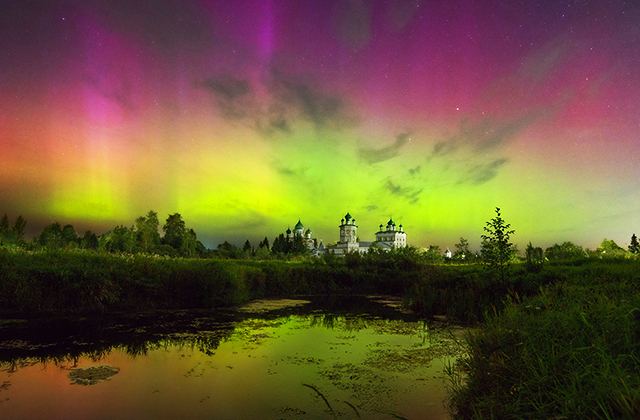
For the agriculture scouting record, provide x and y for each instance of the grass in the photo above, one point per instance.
(73, 282)
(570, 351)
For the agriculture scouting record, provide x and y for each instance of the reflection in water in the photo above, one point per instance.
(294, 362)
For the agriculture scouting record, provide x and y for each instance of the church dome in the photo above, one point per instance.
(391, 223)
(299, 225)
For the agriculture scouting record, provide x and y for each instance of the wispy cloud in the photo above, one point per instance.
(288, 100)
(234, 97)
(482, 173)
(411, 194)
(372, 155)
(303, 98)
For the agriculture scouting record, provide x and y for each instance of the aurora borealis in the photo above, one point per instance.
(246, 115)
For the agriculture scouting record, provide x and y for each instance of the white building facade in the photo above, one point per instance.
(387, 239)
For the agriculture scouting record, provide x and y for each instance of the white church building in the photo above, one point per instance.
(387, 238)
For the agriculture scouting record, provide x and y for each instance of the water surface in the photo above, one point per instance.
(310, 358)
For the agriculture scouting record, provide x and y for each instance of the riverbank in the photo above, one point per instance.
(570, 351)
(80, 282)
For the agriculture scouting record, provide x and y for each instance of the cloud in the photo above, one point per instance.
(288, 171)
(276, 120)
(412, 195)
(483, 172)
(372, 155)
(234, 97)
(303, 99)
(444, 148)
(287, 100)
(485, 134)
(473, 155)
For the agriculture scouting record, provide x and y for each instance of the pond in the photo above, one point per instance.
(306, 358)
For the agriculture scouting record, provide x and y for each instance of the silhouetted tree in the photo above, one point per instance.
(280, 245)
(247, 246)
(50, 237)
(634, 246)
(19, 229)
(174, 231)
(228, 250)
(69, 236)
(89, 240)
(147, 233)
(496, 248)
(120, 239)
(12, 236)
(4, 225)
(563, 252)
(298, 246)
(433, 255)
(609, 248)
(534, 255)
(189, 244)
(462, 251)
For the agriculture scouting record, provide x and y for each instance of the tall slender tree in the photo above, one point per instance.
(19, 229)
(496, 248)
(634, 246)
(462, 250)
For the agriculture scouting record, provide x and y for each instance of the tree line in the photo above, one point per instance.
(141, 237)
(177, 240)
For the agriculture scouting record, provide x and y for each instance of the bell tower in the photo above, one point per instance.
(348, 230)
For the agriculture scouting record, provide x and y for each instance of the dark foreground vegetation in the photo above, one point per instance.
(555, 339)
(78, 282)
(556, 336)
(569, 351)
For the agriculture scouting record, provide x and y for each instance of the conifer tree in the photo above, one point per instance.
(634, 246)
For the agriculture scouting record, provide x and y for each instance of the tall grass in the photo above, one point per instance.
(80, 281)
(572, 351)
(469, 294)
(64, 282)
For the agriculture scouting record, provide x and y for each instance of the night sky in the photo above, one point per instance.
(245, 116)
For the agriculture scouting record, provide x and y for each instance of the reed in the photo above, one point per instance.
(570, 351)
